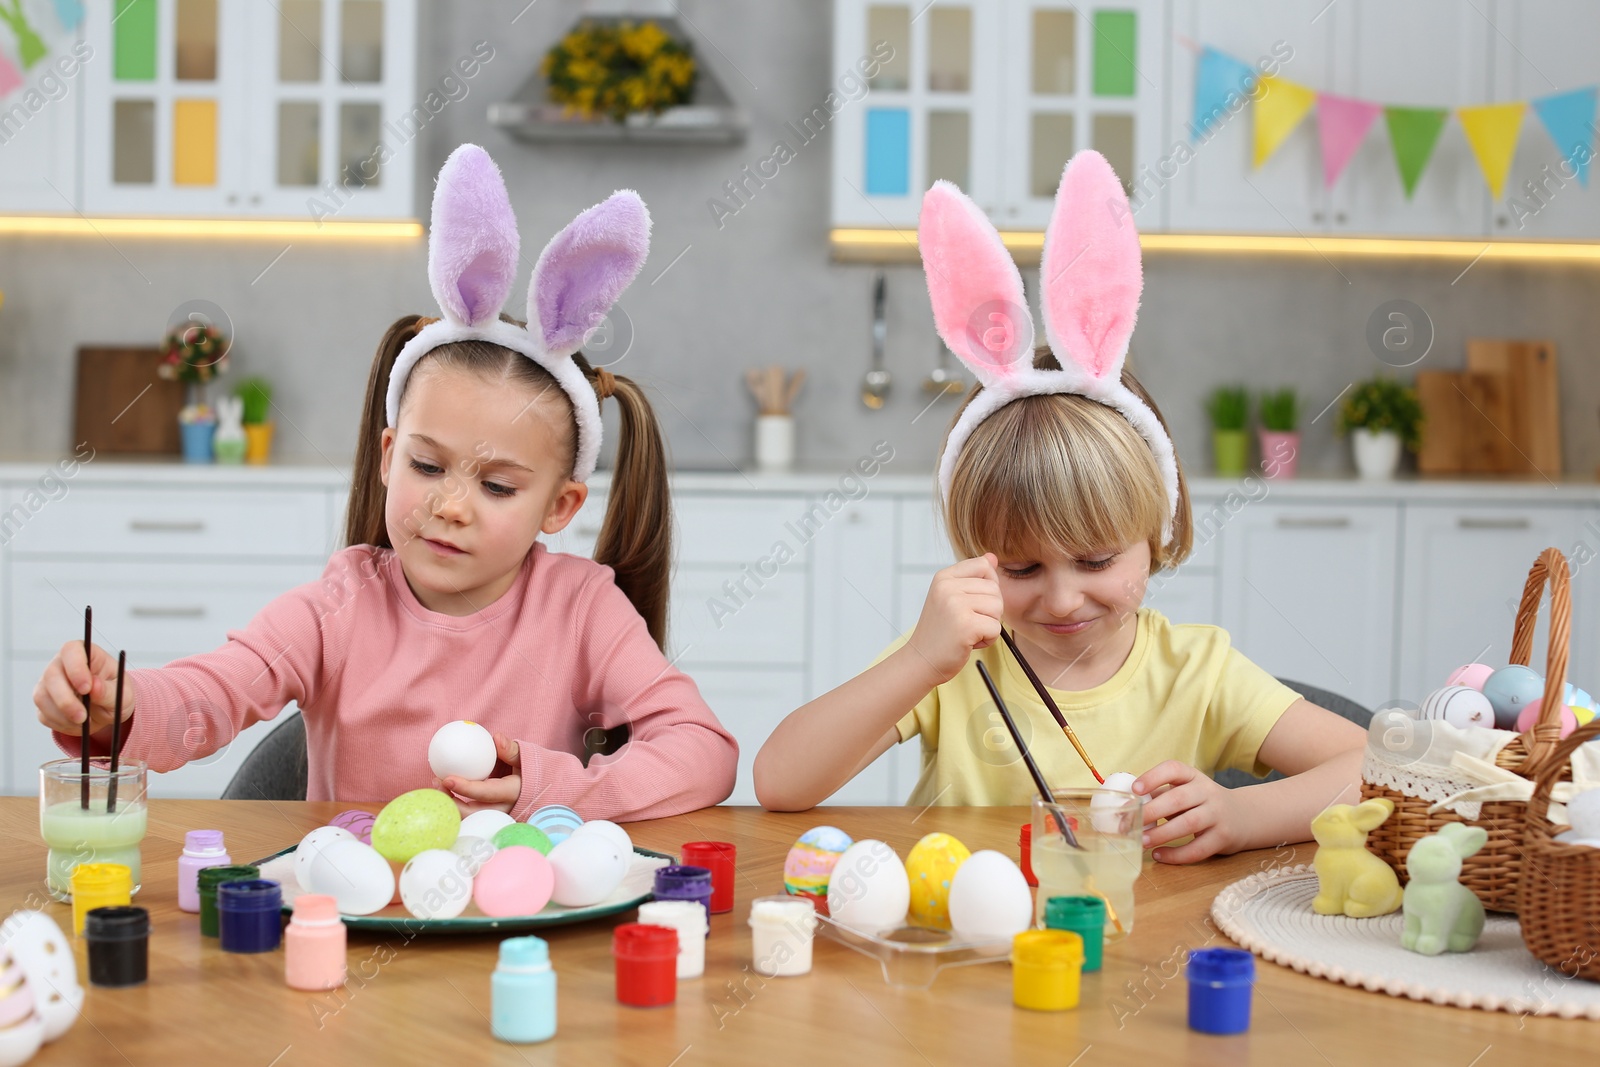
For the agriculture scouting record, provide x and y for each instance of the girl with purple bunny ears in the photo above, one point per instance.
(1062, 495)
(478, 435)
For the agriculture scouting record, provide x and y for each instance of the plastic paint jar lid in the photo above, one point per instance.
(682, 881)
(524, 955)
(1074, 912)
(257, 895)
(1221, 966)
(101, 878)
(120, 923)
(315, 909)
(211, 877)
(1048, 949)
(644, 943)
(201, 843)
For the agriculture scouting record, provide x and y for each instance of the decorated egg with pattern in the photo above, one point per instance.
(1458, 705)
(557, 821)
(810, 862)
(931, 865)
(356, 821)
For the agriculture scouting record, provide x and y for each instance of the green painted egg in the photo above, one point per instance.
(520, 833)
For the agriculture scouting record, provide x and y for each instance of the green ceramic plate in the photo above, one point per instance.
(636, 888)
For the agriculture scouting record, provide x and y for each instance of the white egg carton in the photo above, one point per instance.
(911, 957)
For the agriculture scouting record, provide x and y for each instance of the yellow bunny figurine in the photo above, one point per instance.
(1350, 880)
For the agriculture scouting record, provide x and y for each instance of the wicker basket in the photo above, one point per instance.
(1494, 872)
(1560, 908)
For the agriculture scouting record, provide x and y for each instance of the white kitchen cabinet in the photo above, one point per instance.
(1187, 595)
(39, 134)
(1213, 186)
(1540, 49)
(1465, 568)
(227, 108)
(1426, 53)
(1309, 593)
(994, 96)
(750, 704)
(853, 589)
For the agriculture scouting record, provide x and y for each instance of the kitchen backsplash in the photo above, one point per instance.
(751, 288)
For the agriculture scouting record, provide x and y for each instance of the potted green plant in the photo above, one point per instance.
(1381, 415)
(1280, 432)
(256, 396)
(195, 354)
(1229, 409)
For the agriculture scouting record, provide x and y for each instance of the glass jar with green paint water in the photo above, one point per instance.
(103, 823)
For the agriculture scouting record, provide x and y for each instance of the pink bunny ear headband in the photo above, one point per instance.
(472, 264)
(1091, 279)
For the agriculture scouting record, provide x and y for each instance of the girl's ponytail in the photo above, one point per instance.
(363, 522)
(636, 535)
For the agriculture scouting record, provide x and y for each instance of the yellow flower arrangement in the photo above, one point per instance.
(618, 69)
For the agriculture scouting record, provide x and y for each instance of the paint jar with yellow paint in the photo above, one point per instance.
(1046, 966)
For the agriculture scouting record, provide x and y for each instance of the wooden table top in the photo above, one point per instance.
(426, 1001)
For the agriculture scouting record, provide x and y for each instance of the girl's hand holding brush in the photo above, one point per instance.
(59, 694)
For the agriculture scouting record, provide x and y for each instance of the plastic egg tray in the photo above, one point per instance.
(911, 957)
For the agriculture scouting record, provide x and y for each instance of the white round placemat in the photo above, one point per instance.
(1270, 914)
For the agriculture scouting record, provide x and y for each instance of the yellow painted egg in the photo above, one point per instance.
(415, 822)
(931, 866)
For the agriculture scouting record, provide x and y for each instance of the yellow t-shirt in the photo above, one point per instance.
(1183, 693)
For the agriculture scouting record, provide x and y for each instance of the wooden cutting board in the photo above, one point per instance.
(123, 405)
(1533, 400)
(1468, 427)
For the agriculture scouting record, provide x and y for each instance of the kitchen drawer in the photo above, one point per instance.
(765, 628)
(29, 744)
(163, 521)
(713, 528)
(152, 610)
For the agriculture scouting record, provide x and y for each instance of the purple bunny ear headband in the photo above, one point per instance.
(472, 264)
(1090, 278)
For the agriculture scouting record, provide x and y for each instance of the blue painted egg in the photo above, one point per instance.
(1509, 689)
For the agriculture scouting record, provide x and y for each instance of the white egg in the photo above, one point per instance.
(312, 844)
(436, 884)
(588, 869)
(1583, 812)
(868, 889)
(610, 831)
(354, 875)
(475, 850)
(989, 898)
(485, 823)
(1112, 795)
(462, 748)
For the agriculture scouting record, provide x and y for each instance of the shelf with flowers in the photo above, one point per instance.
(195, 353)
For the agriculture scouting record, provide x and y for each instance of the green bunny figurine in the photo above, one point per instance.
(1442, 915)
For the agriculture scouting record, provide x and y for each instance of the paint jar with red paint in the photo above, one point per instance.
(647, 964)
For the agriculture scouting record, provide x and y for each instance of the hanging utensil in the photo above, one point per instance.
(875, 387)
(942, 381)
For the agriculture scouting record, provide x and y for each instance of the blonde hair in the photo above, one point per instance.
(1063, 471)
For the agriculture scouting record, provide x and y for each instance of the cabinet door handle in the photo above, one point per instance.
(1313, 522)
(1468, 522)
(166, 525)
(167, 611)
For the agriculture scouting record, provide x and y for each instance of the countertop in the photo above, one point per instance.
(1570, 489)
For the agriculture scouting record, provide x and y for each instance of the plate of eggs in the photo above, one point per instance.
(418, 866)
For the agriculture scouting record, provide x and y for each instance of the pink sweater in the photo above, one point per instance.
(375, 674)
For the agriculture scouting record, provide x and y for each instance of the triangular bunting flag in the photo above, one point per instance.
(1569, 120)
(1216, 77)
(69, 13)
(1413, 131)
(1341, 123)
(1280, 106)
(9, 77)
(1492, 132)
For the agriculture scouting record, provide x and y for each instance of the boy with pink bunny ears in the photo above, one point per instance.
(1062, 495)
(478, 435)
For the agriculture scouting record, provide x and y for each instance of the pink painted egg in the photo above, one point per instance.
(517, 880)
(356, 821)
(1473, 675)
(1530, 715)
